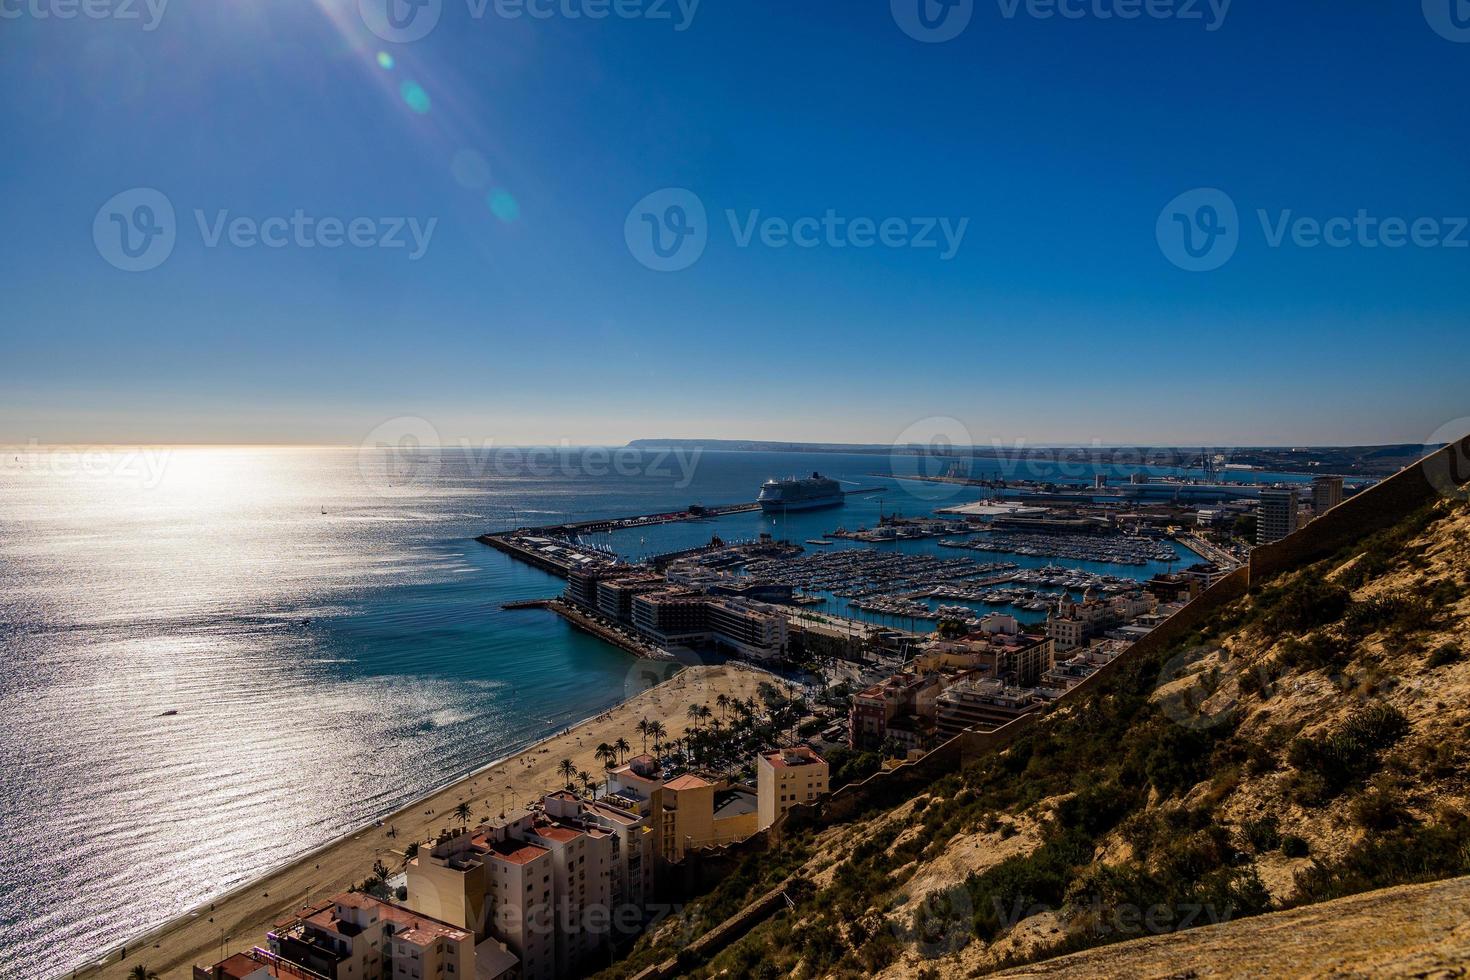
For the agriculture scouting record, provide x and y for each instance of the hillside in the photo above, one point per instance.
(1307, 742)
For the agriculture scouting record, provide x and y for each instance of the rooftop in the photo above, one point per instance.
(789, 758)
(687, 781)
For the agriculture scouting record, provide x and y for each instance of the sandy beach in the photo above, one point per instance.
(240, 919)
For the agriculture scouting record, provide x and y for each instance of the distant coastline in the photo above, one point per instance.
(1361, 461)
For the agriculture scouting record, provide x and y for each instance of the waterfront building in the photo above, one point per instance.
(615, 595)
(787, 777)
(751, 628)
(357, 937)
(1277, 515)
(1326, 494)
(680, 617)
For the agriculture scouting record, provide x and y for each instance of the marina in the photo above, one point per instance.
(1113, 550)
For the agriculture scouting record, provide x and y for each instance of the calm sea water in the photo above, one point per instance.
(329, 634)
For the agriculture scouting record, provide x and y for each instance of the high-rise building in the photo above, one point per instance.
(1326, 493)
(1276, 517)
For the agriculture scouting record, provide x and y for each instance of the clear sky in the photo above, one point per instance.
(528, 141)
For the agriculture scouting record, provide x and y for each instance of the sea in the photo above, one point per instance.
(213, 660)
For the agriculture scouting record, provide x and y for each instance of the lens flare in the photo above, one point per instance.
(470, 169)
(385, 61)
(413, 93)
(503, 205)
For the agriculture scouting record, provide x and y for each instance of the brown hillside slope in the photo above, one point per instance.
(1307, 742)
(1408, 931)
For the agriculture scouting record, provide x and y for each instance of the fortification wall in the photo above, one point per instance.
(1439, 474)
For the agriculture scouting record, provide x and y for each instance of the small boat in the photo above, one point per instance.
(169, 713)
(821, 541)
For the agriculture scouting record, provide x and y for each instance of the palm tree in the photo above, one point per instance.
(623, 747)
(643, 729)
(704, 712)
(693, 714)
(567, 771)
(657, 731)
(606, 754)
(463, 813)
(380, 870)
(141, 972)
(585, 778)
(722, 701)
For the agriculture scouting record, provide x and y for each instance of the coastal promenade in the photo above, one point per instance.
(239, 920)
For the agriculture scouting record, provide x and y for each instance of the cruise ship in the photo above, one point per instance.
(815, 491)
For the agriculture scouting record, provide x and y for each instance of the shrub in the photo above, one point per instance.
(1379, 809)
(1303, 604)
(1444, 656)
(1333, 761)
(1396, 612)
(1295, 847)
(1411, 853)
(1263, 834)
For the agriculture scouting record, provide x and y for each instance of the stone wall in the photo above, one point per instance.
(1438, 475)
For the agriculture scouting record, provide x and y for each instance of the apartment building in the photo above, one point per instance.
(357, 937)
(1276, 517)
(255, 964)
(702, 811)
(984, 705)
(785, 778)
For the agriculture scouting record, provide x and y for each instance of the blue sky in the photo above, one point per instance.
(1058, 141)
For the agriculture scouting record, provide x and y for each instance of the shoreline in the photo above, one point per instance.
(245, 911)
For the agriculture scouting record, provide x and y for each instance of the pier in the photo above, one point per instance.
(609, 633)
